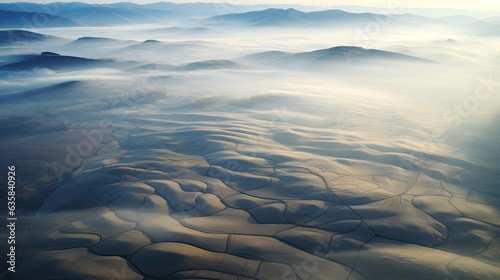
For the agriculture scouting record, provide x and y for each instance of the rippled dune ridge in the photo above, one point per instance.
(270, 144)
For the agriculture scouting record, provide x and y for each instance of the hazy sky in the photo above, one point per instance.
(482, 5)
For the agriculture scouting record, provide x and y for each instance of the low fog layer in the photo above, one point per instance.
(273, 144)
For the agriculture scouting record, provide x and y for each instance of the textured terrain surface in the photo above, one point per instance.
(169, 162)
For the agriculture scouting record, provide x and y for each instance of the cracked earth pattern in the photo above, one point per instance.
(210, 196)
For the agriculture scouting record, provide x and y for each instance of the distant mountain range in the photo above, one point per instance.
(427, 12)
(61, 14)
(26, 15)
(30, 15)
(272, 16)
(293, 17)
(20, 19)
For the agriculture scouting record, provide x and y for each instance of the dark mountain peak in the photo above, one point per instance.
(94, 39)
(212, 64)
(340, 50)
(278, 11)
(150, 41)
(332, 12)
(343, 48)
(292, 10)
(357, 54)
(199, 29)
(50, 54)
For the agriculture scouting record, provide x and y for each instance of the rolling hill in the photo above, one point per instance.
(56, 62)
(8, 37)
(337, 55)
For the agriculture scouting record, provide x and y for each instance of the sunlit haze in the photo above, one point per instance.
(211, 141)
